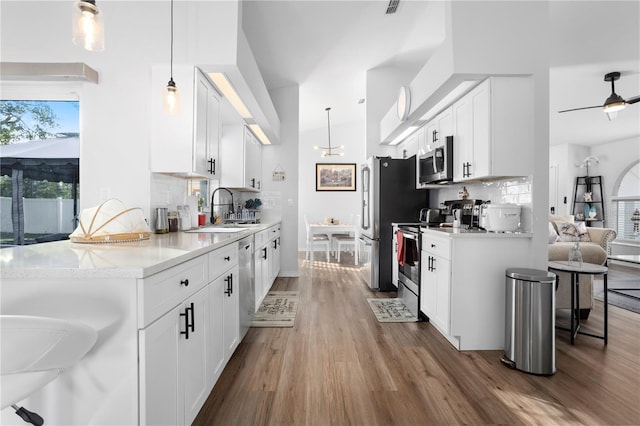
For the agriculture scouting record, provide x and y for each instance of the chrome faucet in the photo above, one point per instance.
(213, 205)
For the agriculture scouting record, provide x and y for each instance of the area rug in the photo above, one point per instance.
(628, 299)
(278, 309)
(391, 310)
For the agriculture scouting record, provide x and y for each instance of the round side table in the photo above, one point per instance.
(575, 269)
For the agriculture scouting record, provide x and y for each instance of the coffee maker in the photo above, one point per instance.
(468, 210)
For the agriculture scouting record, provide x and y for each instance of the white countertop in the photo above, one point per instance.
(138, 259)
(474, 233)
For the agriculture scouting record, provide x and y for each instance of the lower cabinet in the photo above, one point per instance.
(462, 288)
(274, 255)
(183, 352)
(173, 363)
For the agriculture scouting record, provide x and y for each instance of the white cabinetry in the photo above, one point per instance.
(224, 314)
(409, 147)
(186, 144)
(190, 317)
(261, 264)
(274, 255)
(436, 281)
(432, 135)
(242, 152)
(493, 136)
(435, 131)
(463, 285)
(174, 348)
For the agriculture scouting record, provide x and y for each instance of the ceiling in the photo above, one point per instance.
(327, 46)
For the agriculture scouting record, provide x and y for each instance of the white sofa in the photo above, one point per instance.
(593, 251)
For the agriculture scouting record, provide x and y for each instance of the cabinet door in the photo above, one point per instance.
(427, 287)
(161, 382)
(194, 353)
(253, 160)
(481, 101)
(201, 124)
(274, 260)
(231, 309)
(213, 167)
(463, 138)
(216, 328)
(441, 271)
(258, 264)
(445, 123)
(266, 278)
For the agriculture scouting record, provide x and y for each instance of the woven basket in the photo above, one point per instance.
(111, 222)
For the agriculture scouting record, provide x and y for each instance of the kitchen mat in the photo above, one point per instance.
(278, 309)
(391, 310)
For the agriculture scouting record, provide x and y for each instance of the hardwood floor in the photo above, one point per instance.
(339, 366)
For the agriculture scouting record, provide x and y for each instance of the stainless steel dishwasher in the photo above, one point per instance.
(246, 287)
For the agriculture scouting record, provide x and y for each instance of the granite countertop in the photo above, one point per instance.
(138, 259)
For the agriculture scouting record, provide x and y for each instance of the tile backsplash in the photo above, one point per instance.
(511, 190)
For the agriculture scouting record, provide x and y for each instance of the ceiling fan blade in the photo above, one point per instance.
(578, 109)
(633, 100)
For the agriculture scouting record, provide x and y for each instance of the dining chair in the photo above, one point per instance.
(334, 237)
(316, 240)
(349, 241)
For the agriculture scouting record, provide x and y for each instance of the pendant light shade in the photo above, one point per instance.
(171, 95)
(329, 151)
(88, 26)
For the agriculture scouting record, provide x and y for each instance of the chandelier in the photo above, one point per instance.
(328, 151)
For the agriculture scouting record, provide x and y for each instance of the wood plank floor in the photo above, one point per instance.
(339, 366)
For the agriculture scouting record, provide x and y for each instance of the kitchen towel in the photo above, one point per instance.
(400, 238)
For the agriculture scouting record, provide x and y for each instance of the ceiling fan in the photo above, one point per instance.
(614, 102)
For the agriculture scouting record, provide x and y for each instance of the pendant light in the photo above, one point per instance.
(88, 26)
(171, 94)
(329, 151)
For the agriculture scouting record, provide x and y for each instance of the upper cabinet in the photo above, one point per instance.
(242, 153)
(186, 144)
(435, 131)
(493, 130)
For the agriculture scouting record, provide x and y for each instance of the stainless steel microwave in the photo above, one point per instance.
(436, 166)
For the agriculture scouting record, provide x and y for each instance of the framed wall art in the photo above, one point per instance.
(335, 176)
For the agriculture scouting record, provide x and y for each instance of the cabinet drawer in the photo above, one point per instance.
(436, 245)
(159, 293)
(261, 238)
(222, 259)
(274, 232)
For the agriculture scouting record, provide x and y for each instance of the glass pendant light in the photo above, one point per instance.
(88, 26)
(171, 94)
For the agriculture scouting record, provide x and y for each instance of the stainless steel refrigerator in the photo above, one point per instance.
(388, 194)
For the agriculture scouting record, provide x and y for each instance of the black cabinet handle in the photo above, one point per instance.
(186, 322)
(228, 291)
(212, 166)
(227, 258)
(434, 137)
(185, 282)
(259, 185)
(264, 251)
(193, 318)
(253, 182)
(275, 244)
(433, 246)
(231, 276)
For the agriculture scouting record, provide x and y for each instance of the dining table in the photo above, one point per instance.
(327, 229)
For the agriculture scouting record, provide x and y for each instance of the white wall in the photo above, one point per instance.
(283, 195)
(114, 114)
(318, 205)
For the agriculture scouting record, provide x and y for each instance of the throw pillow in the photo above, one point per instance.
(553, 235)
(572, 232)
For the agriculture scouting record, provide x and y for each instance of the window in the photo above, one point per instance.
(39, 179)
(626, 201)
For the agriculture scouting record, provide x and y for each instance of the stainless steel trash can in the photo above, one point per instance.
(530, 339)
